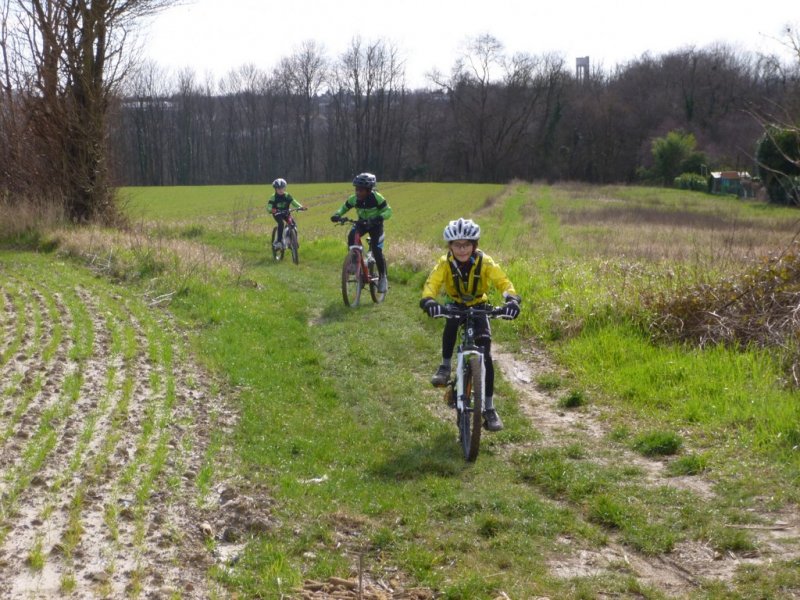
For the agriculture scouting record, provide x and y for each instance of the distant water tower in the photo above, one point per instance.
(582, 68)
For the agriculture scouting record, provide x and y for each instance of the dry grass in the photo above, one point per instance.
(709, 240)
(19, 218)
(758, 308)
(169, 264)
(414, 255)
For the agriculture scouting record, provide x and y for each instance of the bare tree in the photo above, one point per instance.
(367, 113)
(68, 60)
(303, 75)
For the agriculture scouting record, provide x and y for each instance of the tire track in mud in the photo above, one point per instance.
(677, 573)
(100, 493)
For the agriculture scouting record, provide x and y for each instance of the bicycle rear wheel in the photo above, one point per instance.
(470, 419)
(276, 254)
(352, 279)
(293, 245)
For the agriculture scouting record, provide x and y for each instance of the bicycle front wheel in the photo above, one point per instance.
(352, 279)
(293, 245)
(276, 254)
(377, 296)
(470, 418)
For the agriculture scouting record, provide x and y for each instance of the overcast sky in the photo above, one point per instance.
(215, 36)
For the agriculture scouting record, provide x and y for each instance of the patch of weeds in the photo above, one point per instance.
(471, 586)
(422, 562)
(616, 513)
(619, 434)
(490, 525)
(548, 470)
(731, 539)
(575, 451)
(192, 231)
(691, 464)
(549, 382)
(790, 437)
(572, 399)
(657, 443)
(68, 583)
(383, 538)
(608, 511)
(777, 580)
(652, 539)
(328, 563)
(35, 558)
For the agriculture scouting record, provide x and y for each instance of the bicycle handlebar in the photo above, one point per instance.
(452, 311)
(289, 210)
(344, 220)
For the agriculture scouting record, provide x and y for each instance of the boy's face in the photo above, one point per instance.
(362, 192)
(462, 249)
(280, 191)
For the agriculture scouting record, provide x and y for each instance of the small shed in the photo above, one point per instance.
(731, 182)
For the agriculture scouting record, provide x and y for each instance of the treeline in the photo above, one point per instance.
(492, 118)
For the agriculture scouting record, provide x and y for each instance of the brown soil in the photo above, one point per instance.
(75, 523)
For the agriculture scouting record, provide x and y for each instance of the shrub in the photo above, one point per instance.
(757, 308)
(778, 155)
(670, 153)
(691, 181)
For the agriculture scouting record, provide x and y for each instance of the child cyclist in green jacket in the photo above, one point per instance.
(277, 205)
(464, 275)
(372, 210)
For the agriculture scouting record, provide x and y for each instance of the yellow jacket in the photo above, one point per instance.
(473, 291)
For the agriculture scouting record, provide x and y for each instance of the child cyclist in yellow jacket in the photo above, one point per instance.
(372, 210)
(464, 274)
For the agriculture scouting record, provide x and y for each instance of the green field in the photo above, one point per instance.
(628, 468)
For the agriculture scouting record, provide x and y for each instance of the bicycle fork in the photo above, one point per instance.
(461, 383)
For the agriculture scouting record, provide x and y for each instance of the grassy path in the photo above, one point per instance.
(339, 421)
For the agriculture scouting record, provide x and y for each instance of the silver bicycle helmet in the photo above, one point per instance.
(462, 229)
(279, 183)
(367, 180)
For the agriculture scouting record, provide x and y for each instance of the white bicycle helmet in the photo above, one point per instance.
(367, 180)
(279, 183)
(462, 229)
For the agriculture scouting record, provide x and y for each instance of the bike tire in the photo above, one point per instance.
(377, 296)
(470, 419)
(276, 254)
(293, 245)
(352, 279)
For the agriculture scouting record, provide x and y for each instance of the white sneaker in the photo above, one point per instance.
(383, 284)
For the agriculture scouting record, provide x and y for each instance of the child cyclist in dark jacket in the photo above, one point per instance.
(464, 275)
(372, 210)
(279, 202)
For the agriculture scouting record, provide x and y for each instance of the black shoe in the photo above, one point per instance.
(491, 420)
(441, 376)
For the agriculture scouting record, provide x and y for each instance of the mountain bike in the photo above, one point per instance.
(290, 240)
(466, 389)
(358, 271)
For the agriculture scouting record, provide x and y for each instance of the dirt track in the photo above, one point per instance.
(681, 571)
